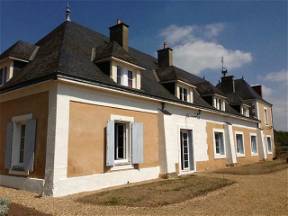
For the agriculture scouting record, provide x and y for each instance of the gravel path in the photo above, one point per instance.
(251, 195)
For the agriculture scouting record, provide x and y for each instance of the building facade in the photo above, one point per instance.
(81, 111)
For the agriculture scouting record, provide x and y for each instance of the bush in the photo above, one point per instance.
(4, 206)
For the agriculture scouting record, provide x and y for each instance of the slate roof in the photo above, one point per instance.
(20, 49)
(66, 51)
(243, 92)
(114, 49)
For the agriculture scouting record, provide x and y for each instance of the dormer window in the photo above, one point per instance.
(245, 110)
(126, 75)
(219, 103)
(184, 92)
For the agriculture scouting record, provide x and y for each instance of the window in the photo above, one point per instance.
(219, 143)
(269, 144)
(266, 116)
(245, 111)
(219, 103)
(20, 142)
(126, 77)
(253, 144)
(3, 75)
(124, 142)
(239, 144)
(130, 79)
(119, 75)
(183, 94)
(121, 141)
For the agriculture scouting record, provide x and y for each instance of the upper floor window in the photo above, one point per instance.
(184, 93)
(126, 77)
(219, 103)
(266, 118)
(245, 111)
(3, 75)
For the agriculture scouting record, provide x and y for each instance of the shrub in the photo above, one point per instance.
(4, 206)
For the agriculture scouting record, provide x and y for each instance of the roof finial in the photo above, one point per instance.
(68, 12)
(223, 69)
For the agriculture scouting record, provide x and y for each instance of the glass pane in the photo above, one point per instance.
(1, 76)
(240, 147)
(22, 142)
(119, 74)
(130, 79)
(120, 141)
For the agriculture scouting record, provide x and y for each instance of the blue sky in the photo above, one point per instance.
(252, 36)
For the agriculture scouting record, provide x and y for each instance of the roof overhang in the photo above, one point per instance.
(113, 58)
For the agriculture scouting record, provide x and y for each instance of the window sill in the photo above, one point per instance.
(126, 166)
(18, 173)
(219, 156)
(254, 154)
(269, 152)
(240, 155)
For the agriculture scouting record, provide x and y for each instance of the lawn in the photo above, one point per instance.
(158, 193)
(256, 168)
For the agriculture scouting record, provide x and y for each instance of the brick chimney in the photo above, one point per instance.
(165, 56)
(119, 34)
(227, 84)
(258, 89)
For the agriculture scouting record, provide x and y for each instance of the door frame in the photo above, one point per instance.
(191, 128)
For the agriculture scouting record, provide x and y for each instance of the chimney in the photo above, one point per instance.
(258, 89)
(165, 56)
(119, 34)
(227, 84)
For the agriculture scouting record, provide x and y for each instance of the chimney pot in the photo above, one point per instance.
(258, 89)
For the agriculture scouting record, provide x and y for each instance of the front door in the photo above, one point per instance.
(187, 162)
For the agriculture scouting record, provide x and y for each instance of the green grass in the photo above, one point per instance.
(4, 206)
(256, 168)
(158, 193)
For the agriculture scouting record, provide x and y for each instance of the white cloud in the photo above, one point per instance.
(280, 76)
(195, 48)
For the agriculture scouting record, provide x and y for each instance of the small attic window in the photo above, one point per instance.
(126, 76)
(184, 93)
(245, 111)
(219, 103)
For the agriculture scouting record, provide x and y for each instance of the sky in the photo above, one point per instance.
(250, 35)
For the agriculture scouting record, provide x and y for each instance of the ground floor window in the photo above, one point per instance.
(187, 161)
(269, 144)
(239, 144)
(219, 143)
(121, 141)
(253, 144)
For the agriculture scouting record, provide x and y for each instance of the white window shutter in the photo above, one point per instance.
(29, 145)
(191, 158)
(8, 147)
(137, 143)
(110, 146)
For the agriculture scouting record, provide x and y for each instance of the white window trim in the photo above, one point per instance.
(124, 163)
(253, 153)
(269, 152)
(219, 156)
(240, 133)
(190, 93)
(16, 120)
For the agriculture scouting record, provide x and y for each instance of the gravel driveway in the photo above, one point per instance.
(251, 195)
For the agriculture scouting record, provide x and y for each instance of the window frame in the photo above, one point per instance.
(18, 121)
(253, 135)
(243, 143)
(125, 163)
(270, 138)
(217, 155)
